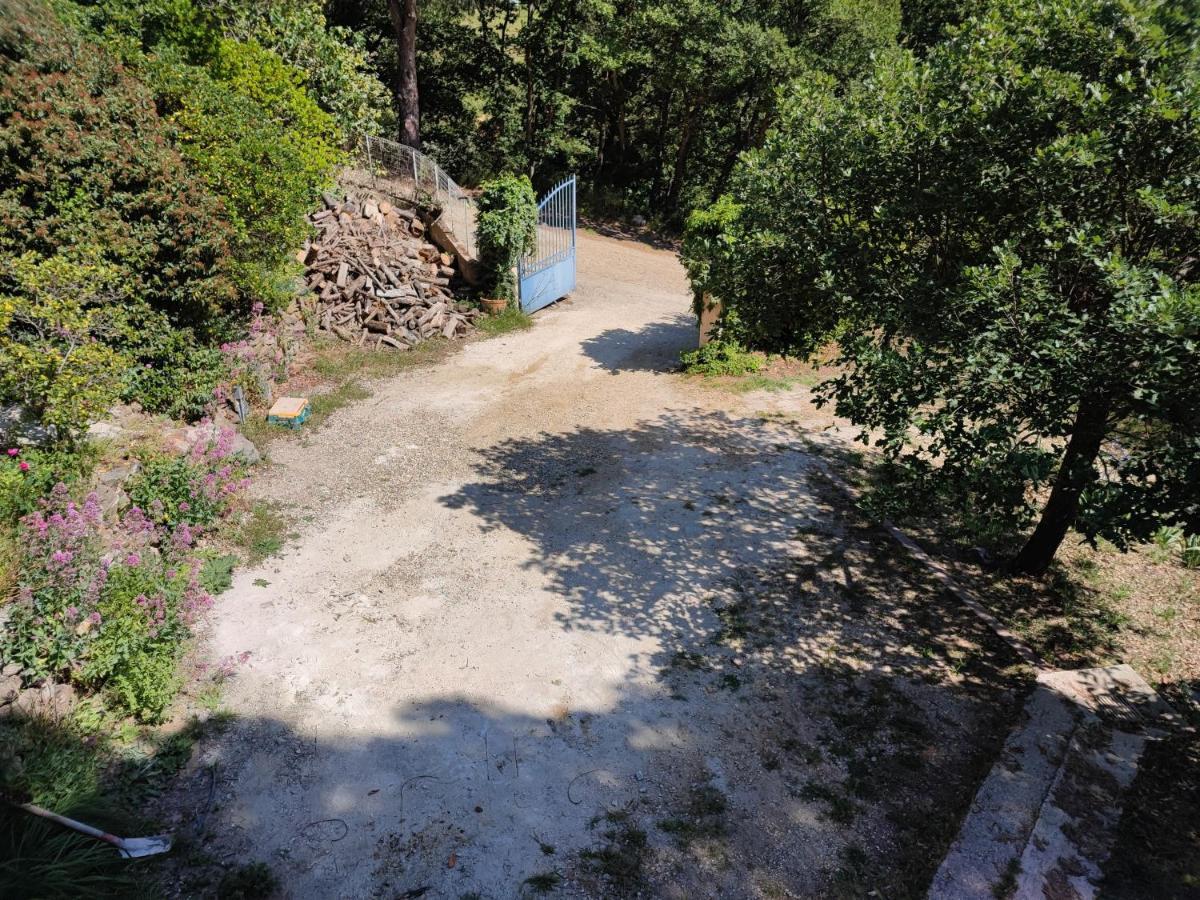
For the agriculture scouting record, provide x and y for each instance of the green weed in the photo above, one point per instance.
(512, 319)
(721, 358)
(543, 882)
(260, 533)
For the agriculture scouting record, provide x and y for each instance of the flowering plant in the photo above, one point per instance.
(262, 357)
(194, 490)
(104, 614)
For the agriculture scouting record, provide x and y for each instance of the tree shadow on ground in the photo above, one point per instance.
(654, 348)
(804, 715)
(623, 232)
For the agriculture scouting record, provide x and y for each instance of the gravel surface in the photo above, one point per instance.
(560, 618)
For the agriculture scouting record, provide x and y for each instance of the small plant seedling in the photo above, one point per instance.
(543, 882)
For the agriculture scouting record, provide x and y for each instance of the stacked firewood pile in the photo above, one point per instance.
(377, 281)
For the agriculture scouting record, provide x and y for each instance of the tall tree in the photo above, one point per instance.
(1004, 239)
(403, 15)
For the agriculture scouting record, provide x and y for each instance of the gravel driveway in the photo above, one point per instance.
(558, 619)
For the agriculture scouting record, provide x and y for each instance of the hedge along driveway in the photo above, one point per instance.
(558, 615)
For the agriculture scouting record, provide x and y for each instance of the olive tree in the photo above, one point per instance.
(1002, 237)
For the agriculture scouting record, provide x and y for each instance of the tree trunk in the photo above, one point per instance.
(675, 185)
(403, 14)
(1075, 473)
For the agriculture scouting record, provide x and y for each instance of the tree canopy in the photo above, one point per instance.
(1002, 237)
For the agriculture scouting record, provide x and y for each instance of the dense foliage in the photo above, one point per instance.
(1003, 237)
(650, 101)
(506, 228)
(109, 608)
(160, 156)
(89, 172)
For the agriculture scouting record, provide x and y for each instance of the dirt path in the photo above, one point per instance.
(512, 650)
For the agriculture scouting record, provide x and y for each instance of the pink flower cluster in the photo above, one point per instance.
(13, 455)
(263, 356)
(70, 561)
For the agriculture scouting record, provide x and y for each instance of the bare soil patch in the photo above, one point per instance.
(557, 618)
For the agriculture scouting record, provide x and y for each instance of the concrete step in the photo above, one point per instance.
(1043, 821)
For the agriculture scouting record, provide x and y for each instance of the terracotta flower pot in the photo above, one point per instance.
(493, 306)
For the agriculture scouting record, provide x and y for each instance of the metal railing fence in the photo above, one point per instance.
(402, 171)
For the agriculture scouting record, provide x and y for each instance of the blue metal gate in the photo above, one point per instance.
(548, 273)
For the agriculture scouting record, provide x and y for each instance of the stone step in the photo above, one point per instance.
(1043, 821)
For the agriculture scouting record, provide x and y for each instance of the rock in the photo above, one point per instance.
(244, 447)
(120, 474)
(639, 221)
(18, 426)
(10, 688)
(177, 441)
(50, 699)
(113, 501)
(180, 441)
(11, 669)
(105, 431)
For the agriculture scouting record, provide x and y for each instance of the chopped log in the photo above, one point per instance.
(375, 280)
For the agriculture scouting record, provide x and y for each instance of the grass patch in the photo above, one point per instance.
(703, 817)
(840, 808)
(769, 383)
(512, 319)
(322, 406)
(543, 882)
(722, 358)
(92, 768)
(259, 533)
(252, 881)
(620, 856)
(216, 571)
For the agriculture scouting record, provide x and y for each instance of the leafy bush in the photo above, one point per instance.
(56, 336)
(1001, 238)
(506, 228)
(708, 235)
(89, 170)
(189, 490)
(28, 474)
(260, 144)
(174, 373)
(103, 617)
(721, 358)
(334, 62)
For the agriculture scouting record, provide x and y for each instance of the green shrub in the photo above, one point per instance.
(188, 490)
(174, 373)
(708, 235)
(721, 358)
(260, 144)
(506, 227)
(148, 681)
(88, 168)
(106, 619)
(56, 337)
(1000, 237)
(335, 64)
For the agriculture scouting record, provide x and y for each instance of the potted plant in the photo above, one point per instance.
(506, 227)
